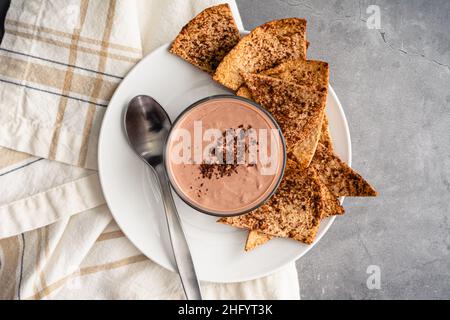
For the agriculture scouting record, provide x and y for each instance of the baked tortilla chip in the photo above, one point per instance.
(294, 211)
(207, 38)
(312, 73)
(340, 179)
(331, 207)
(298, 109)
(315, 74)
(265, 47)
(325, 136)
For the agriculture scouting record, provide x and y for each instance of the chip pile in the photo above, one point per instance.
(269, 66)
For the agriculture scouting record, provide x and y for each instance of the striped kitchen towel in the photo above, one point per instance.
(60, 62)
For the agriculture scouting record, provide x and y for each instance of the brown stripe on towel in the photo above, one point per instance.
(87, 40)
(68, 80)
(54, 77)
(55, 62)
(38, 264)
(110, 235)
(57, 43)
(51, 92)
(112, 265)
(43, 252)
(86, 271)
(97, 85)
(10, 157)
(11, 249)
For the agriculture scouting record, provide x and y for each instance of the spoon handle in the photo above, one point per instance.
(181, 252)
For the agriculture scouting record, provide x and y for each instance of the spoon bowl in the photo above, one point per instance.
(147, 126)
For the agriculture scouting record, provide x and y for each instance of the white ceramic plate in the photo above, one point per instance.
(130, 190)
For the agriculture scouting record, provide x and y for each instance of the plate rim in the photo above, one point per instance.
(169, 267)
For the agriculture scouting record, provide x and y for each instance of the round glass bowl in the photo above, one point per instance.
(225, 155)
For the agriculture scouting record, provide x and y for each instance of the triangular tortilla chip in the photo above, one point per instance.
(338, 176)
(265, 47)
(294, 211)
(312, 73)
(315, 74)
(325, 136)
(340, 179)
(207, 38)
(331, 207)
(298, 109)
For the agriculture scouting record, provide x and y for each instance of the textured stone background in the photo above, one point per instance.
(394, 85)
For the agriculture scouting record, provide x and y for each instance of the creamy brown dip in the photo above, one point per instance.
(224, 188)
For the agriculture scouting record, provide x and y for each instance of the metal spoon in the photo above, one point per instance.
(147, 126)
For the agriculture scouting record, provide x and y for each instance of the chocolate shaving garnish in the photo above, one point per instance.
(211, 169)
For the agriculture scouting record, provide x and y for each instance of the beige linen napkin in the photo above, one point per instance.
(60, 62)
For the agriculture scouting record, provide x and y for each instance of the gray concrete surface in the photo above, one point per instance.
(394, 84)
